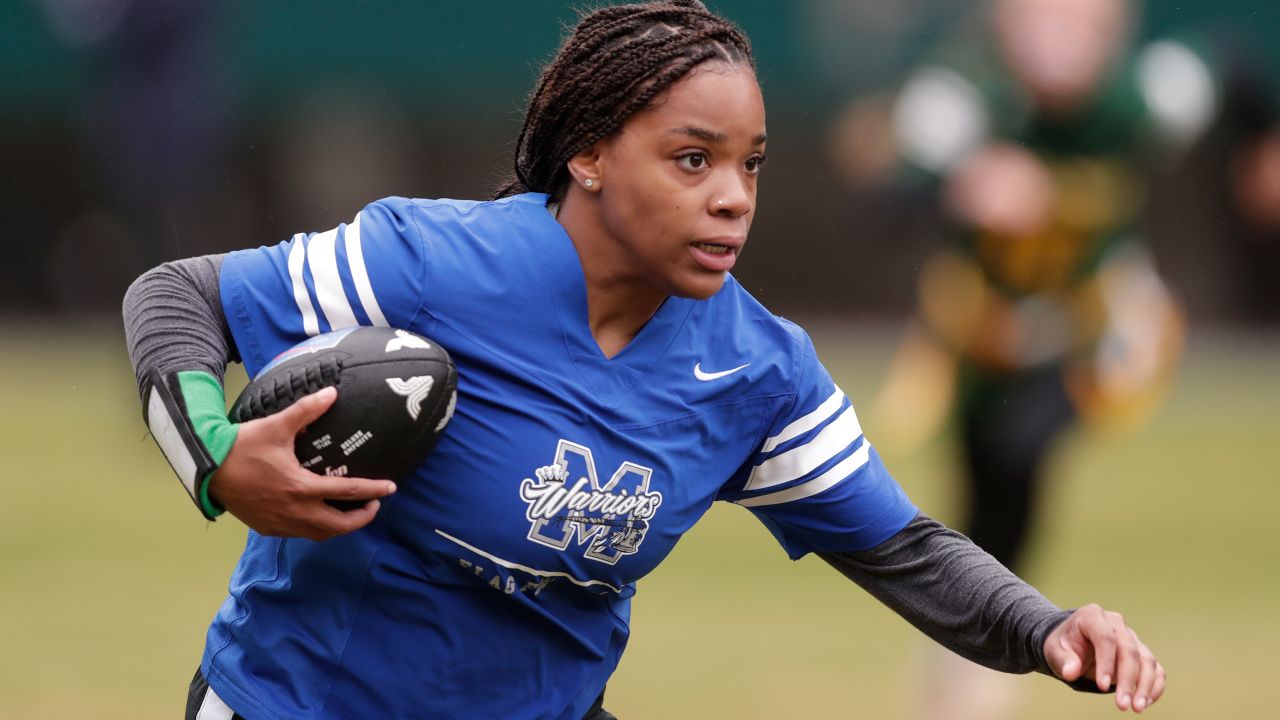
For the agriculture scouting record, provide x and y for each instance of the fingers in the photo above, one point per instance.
(262, 483)
(315, 519)
(347, 488)
(1071, 665)
(1093, 639)
(293, 503)
(1150, 677)
(1117, 653)
(306, 410)
(331, 522)
(1095, 627)
(1157, 689)
(1063, 658)
(1128, 664)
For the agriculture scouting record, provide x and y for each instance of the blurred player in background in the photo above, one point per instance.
(1045, 307)
(155, 119)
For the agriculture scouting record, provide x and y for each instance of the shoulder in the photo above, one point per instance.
(442, 214)
(733, 319)
(450, 236)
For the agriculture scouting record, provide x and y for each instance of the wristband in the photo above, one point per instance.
(186, 413)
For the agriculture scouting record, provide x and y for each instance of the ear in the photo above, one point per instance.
(587, 168)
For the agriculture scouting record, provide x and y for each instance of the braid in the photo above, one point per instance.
(616, 60)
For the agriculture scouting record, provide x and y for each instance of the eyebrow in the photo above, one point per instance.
(710, 135)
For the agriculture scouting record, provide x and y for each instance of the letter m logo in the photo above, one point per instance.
(568, 503)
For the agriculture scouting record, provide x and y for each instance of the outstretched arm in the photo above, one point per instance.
(180, 344)
(960, 596)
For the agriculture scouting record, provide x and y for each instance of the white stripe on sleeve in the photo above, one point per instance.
(806, 423)
(297, 259)
(825, 481)
(322, 252)
(804, 459)
(360, 274)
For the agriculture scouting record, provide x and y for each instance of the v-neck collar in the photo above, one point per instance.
(567, 284)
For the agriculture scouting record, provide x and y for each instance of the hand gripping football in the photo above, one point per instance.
(396, 393)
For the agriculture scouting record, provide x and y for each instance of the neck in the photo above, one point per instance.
(618, 305)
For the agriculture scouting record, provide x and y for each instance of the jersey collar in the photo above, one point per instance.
(567, 285)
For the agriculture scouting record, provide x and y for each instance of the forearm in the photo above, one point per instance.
(958, 595)
(179, 344)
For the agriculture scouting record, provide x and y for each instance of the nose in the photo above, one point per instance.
(732, 198)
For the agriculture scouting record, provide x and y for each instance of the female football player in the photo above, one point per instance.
(614, 381)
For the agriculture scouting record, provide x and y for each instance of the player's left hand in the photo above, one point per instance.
(1097, 644)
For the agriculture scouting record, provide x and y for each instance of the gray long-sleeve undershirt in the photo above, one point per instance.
(935, 578)
(957, 594)
(173, 320)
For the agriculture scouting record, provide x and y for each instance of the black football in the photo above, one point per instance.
(396, 394)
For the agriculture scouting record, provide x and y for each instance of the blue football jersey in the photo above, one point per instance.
(497, 582)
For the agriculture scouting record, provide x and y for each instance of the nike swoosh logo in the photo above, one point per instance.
(705, 376)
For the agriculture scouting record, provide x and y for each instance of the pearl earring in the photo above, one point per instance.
(588, 182)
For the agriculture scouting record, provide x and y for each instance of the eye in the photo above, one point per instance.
(754, 164)
(693, 161)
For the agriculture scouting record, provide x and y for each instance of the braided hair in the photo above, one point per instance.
(616, 60)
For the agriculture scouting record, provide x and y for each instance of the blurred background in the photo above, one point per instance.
(137, 131)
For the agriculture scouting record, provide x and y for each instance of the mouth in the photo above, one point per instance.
(717, 255)
(713, 248)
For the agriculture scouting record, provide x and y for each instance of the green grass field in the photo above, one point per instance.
(109, 576)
